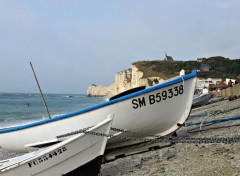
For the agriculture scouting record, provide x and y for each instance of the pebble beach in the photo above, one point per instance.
(183, 159)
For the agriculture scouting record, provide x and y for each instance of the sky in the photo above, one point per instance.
(75, 43)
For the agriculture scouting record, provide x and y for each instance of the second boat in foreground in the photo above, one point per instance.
(78, 155)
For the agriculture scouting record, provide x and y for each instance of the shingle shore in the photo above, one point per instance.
(189, 159)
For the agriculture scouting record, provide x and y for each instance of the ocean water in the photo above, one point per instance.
(20, 108)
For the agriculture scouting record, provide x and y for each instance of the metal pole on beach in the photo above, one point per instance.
(44, 102)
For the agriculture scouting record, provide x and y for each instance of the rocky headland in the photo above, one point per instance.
(124, 80)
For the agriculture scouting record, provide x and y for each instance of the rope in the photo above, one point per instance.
(213, 121)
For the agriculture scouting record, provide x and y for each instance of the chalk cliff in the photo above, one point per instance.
(124, 80)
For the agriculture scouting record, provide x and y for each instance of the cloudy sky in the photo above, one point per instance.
(75, 43)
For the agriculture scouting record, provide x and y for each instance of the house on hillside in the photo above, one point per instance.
(203, 60)
(205, 67)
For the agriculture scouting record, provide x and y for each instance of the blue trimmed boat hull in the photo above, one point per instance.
(160, 109)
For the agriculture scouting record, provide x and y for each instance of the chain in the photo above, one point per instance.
(157, 138)
(206, 140)
(138, 134)
(74, 132)
(102, 135)
(173, 139)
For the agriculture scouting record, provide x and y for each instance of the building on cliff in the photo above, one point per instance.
(167, 58)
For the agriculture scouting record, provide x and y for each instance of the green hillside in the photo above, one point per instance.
(219, 67)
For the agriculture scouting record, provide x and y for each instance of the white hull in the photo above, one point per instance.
(62, 158)
(160, 109)
(201, 99)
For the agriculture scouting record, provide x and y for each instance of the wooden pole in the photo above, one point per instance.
(44, 102)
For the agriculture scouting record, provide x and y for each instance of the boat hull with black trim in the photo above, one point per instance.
(79, 155)
(160, 109)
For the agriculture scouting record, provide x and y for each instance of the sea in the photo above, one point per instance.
(21, 108)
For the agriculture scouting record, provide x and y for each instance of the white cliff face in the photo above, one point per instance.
(136, 77)
(124, 80)
(97, 91)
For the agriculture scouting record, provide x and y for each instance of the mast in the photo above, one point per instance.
(44, 102)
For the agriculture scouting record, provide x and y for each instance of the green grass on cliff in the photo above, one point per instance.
(165, 69)
(220, 67)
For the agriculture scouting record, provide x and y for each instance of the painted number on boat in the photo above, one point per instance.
(47, 156)
(158, 97)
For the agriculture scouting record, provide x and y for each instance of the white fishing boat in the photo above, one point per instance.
(79, 155)
(201, 99)
(160, 109)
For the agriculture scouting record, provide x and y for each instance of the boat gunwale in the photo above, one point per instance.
(100, 105)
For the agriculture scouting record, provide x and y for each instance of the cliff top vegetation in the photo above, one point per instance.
(217, 67)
